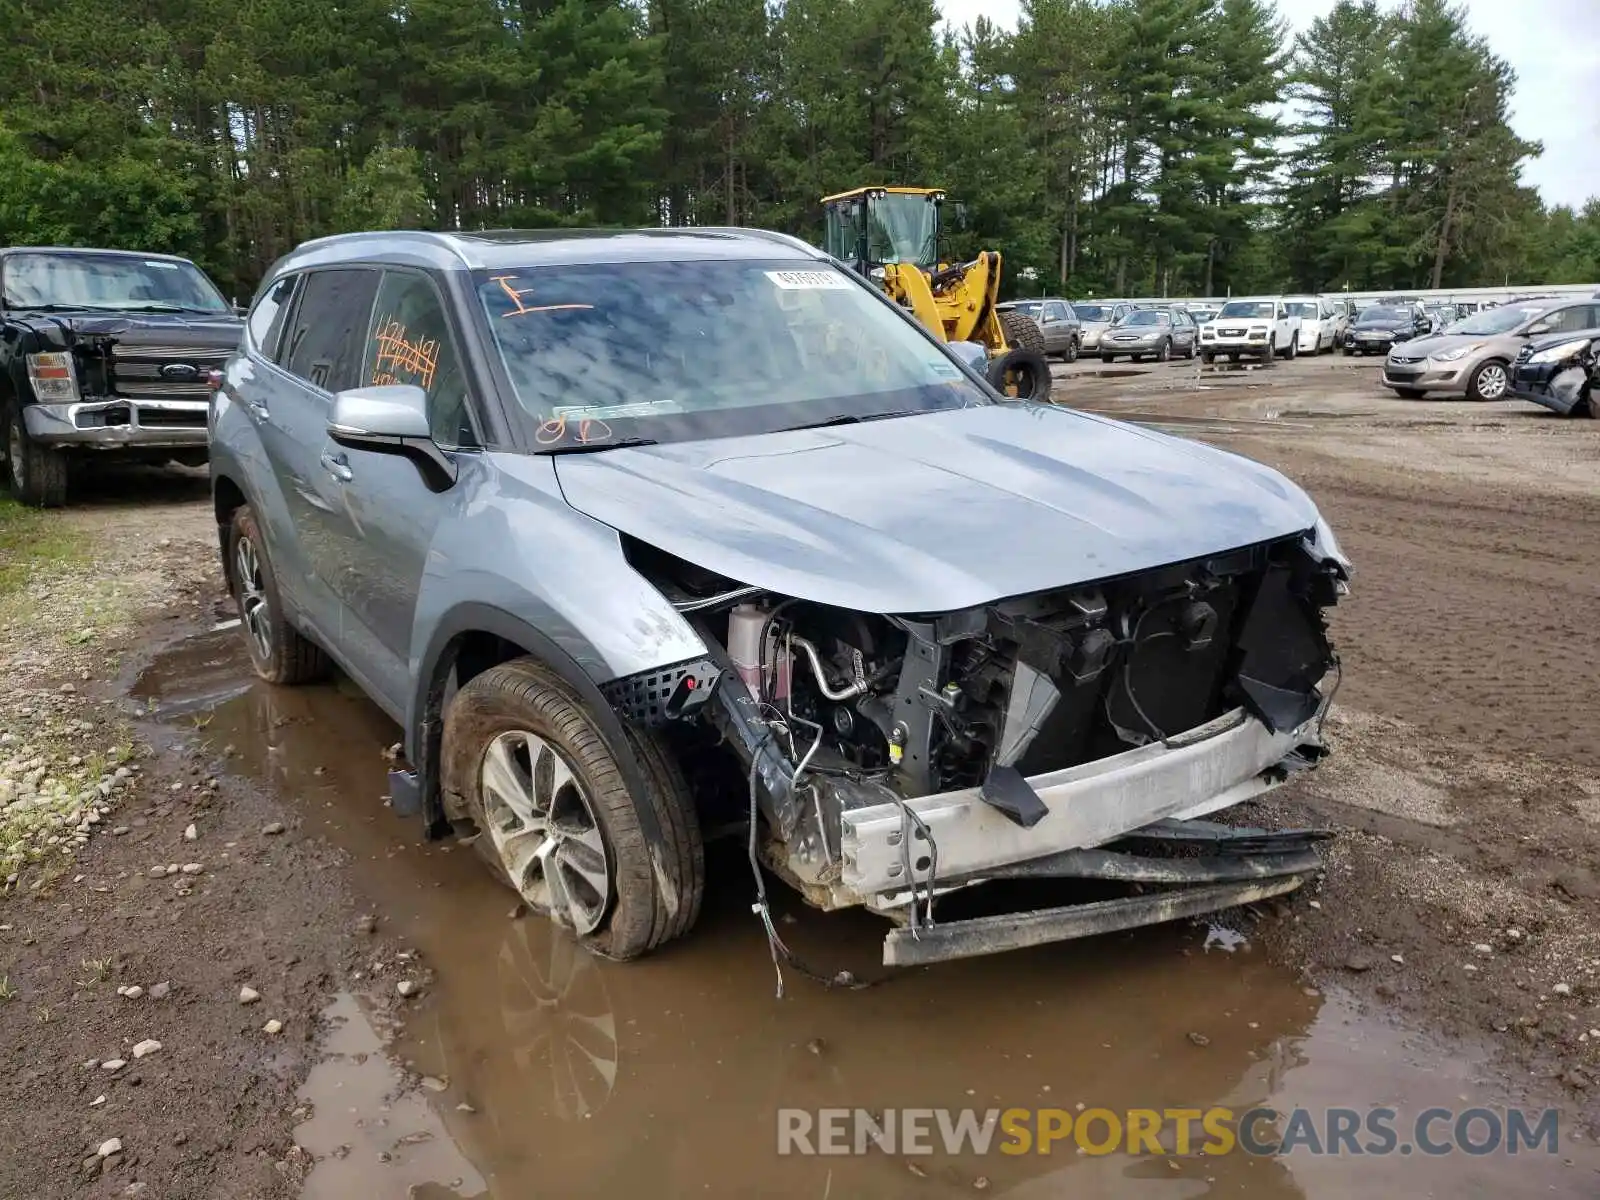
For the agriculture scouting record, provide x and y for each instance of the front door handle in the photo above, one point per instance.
(338, 466)
(257, 409)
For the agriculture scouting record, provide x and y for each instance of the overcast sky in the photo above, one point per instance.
(1554, 46)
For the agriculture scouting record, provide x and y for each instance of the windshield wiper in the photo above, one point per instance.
(56, 307)
(595, 447)
(855, 419)
(169, 308)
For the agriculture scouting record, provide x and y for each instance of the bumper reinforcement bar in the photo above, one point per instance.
(1013, 931)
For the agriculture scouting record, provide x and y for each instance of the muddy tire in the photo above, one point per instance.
(1022, 371)
(523, 759)
(1489, 381)
(38, 474)
(279, 652)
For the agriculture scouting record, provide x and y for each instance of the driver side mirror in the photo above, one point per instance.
(391, 419)
(972, 355)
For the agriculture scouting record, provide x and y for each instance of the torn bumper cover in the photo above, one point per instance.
(1146, 799)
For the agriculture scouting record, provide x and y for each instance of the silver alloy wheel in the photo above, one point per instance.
(1491, 381)
(254, 610)
(543, 828)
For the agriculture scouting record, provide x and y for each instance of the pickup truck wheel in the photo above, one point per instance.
(1293, 348)
(38, 473)
(1489, 381)
(279, 652)
(524, 760)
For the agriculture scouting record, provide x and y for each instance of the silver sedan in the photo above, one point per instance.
(1159, 333)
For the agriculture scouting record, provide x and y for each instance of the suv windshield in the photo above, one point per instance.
(1497, 320)
(109, 281)
(1306, 310)
(606, 353)
(1141, 316)
(1247, 308)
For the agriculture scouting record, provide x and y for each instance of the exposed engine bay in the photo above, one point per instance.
(913, 725)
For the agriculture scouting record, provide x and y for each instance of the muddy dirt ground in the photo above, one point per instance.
(1449, 955)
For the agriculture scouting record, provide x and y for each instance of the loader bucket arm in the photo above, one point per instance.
(907, 285)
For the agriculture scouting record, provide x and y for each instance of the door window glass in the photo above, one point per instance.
(1055, 311)
(266, 318)
(410, 343)
(329, 321)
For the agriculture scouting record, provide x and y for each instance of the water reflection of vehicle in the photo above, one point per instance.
(590, 1080)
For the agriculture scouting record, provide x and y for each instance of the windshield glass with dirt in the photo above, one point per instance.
(120, 282)
(1248, 309)
(670, 351)
(1142, 316)
(1092, 312)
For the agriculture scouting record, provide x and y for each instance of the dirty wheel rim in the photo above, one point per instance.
(1022, 383)
(543, 828)
(1492, 381)
(253, 608)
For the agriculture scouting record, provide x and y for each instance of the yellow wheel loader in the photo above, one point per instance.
(892, 235)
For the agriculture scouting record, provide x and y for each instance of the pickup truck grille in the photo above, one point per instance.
(141, 372)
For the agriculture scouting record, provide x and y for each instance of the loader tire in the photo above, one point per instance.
(1023, 371)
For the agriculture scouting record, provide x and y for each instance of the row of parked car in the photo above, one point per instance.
(1475, 351)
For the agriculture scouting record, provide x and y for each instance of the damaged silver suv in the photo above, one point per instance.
(644, 536)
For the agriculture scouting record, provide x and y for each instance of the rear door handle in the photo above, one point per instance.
(338, 466)
(257, 410)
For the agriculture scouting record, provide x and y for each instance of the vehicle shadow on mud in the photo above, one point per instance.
(116, 485)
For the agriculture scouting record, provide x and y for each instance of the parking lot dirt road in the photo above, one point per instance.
(1449, 956)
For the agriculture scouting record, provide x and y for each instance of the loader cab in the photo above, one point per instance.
(870, 227)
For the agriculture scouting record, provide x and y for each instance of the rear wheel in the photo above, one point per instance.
(1192, 351)
(1072, 351)
(38, 473)
(523, 758)
(1164, 351)
(1294, 347)
(1023, 370)
(279, 652)
(1489, 381)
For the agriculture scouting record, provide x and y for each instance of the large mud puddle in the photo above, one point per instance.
(552, 1073)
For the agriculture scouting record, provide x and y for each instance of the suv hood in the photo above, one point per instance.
(1435, 343)
(936, 512)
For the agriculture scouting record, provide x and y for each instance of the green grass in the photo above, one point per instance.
(31, 540)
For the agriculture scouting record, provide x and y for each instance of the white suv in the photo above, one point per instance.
(1261, 328)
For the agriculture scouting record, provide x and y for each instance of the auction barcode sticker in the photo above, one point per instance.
(810, 280)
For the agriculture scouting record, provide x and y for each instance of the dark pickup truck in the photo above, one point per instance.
(104, 352)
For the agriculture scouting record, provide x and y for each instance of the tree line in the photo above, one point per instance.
(1129, 146)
